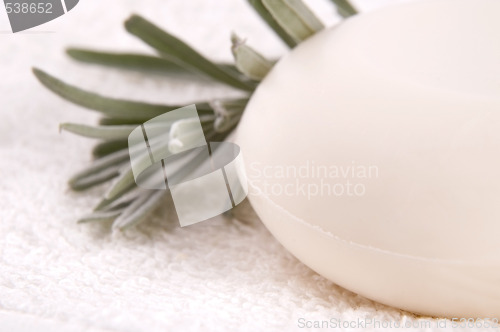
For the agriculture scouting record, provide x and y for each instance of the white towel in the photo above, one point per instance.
(56, 275)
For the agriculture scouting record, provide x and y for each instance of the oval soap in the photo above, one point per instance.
(373, 155)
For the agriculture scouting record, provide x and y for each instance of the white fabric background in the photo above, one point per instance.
(56, 275)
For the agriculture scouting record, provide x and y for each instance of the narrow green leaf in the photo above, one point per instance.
(101, 132)
(228, 114)
(125, 60)
(111, 107)
(120, 204)
(222, 108)
(228, 103)
(202, 111)
(251, 63)
(99, 171)
(105, 148)
(232, 69)
(269, 19)
(102, 163)
(126, 177)
(225, 124)
(124, 182)
(101, 216)
(188, 164)
(139, 209)
(294, 17)
(306, 14)
(95, 179)
(118, 122)
(345, 8)
(134, 61)
(176, 50)
(106, 203)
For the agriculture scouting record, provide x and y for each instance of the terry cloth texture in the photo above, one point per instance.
(219, 275)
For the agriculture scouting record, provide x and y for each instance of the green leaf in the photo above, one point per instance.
(225, 124)
(106, 204)
(101, 132)
(103, 163)
(309, 18)
(118, 122)
(120, 204)
(232, 69)
(101, 216)
(181, 53)
(139, 209)
(111, 107)
(248, 61)
(228, 114)
(97, 178)
(100, 171)
(345, 8)
(126, 177)
(125, 60)
(134, 61)
(105, 148)
(269, 19)
(229, 103)
(123, 184)
(294, 17)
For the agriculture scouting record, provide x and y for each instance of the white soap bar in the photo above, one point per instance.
(373, 155)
